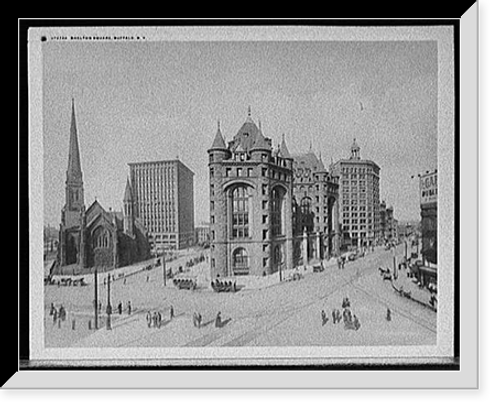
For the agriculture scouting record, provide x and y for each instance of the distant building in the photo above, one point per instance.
(202, 234)
(162, 197)
(428, 213)
(95, 237)
(315, 193)
(359, 197)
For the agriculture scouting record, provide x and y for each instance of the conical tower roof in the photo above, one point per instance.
(74, 172)
(284, 152)
(127, 198)
(219, 143)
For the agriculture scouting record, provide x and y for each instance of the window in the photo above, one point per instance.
(240, 259)
(264, 172)
(240, 212)
(239, 172)
(228, 171)
(276, 208)
(250, 172)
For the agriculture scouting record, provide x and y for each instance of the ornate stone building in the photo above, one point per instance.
(257, 225)
(95, 237)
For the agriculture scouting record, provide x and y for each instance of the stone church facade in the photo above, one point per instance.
(93, 237)
(259, 223)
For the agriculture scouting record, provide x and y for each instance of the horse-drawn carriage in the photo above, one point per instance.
(385, 273)
(223, 285)
(318, 268)
(184, 283)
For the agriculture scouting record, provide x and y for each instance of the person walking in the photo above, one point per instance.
(218, 320)
(195, 319)
(388, 315)
(129, 308)
(120, 308)
(148, 318)
(171, 312)
(324, 318)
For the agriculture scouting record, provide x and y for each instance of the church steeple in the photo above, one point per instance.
(74, 180)
(74, 172)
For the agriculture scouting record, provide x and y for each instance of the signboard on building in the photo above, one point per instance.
(428, 188)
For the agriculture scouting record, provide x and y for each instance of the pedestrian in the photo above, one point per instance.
(148, 318)
(171, 312)
(125, 281)
(195, 320)
(324, 318)
(62, 313)
(334, 318)
(356, 323)
(129, 308)
(199, 320)
(52, 308)
(158, 319)
(100, 306)
(54, 317)
(73, 323)
(218, 320)
(388, 316)
(120, 308)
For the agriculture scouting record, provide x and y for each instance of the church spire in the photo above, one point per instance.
(74, 172)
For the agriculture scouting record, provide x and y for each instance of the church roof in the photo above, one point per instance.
(128, 192)
(74, 171)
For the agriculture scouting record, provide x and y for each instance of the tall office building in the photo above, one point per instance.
(359, 194)
(162, 193)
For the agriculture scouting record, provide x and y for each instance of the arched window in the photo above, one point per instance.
(101, 238)
(240, 259)
(240, 212)
(276, 211)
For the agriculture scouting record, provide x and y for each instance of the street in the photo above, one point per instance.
(283, 314)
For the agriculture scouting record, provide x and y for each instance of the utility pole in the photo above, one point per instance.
(96, 300)
(108, 308)
(164, 270)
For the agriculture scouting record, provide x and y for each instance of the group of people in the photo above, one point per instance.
(153, 319)
(57, 314)
(197, 320)
(351, 321)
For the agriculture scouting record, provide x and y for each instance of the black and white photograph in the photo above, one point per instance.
(244, 196)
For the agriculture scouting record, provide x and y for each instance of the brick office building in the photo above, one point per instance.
(163, 200)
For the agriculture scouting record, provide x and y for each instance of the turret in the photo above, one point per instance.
(218, 151)
(128, 211)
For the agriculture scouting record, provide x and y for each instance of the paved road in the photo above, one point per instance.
(286, 314)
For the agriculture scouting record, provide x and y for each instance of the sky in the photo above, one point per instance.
(142, 101)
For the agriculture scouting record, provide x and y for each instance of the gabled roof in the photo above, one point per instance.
(308, 161)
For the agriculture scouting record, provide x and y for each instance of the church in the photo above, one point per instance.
(93, 238)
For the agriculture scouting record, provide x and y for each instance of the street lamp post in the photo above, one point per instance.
(96, 303)
(108, 307)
